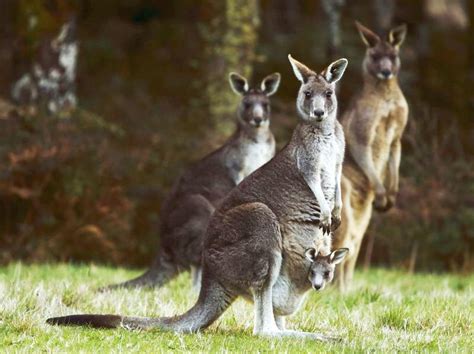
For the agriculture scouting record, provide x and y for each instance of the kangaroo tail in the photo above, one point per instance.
(212, 302)
(160, 272)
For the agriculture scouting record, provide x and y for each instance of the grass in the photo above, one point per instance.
(385, 311)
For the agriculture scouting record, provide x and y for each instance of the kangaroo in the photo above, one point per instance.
(51, 80)
(321, 270)
(256, 240)
(197, 193)
(373, 126)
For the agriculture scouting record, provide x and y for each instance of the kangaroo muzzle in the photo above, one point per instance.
(318, 110)
(386, 69)
(318, 282)
(257, 115)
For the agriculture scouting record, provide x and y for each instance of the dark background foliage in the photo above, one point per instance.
(153, 96)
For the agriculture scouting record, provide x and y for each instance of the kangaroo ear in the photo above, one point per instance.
(66, 34)
(368, 37)
(335, 70)
(338, 255)
(311, 254)
(238, 83)
(396, 36)
(302, 72)
(270, 84)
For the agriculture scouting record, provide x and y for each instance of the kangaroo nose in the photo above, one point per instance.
(386, 73)
(257, 120)
(317, 286)
(318, 113)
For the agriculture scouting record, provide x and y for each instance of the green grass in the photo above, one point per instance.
(385, 311)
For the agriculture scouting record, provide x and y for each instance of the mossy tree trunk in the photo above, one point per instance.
(229, 34)
(332, 9)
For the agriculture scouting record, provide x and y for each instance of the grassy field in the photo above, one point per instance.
(386, 311)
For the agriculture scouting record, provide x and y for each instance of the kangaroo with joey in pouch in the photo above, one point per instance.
(256, 240)
(197, 193)
(373, 125)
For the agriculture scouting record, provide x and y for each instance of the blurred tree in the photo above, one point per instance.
(384, 11)
(229, 32)
(333, 9)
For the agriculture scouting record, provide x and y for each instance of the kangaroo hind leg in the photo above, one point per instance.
(265, 323)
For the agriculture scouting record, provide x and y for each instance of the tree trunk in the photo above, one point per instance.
(333, 8)
(384, 11)
(229, 34)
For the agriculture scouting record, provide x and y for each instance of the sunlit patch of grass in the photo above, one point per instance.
(384, 311)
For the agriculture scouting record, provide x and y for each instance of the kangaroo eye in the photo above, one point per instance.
(265, 106)
(247, 105)
(375, 57)
(328, 94)
(307, 94)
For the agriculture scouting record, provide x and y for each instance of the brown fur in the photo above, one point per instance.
(373, 126)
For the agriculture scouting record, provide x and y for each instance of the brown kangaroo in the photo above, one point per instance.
(373, 126)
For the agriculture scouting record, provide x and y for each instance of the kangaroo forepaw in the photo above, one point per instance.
(335, 222)
(391, 200)
(381, 202)
(326, 228)
(325, 223)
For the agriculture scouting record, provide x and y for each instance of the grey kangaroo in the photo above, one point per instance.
(196, 194)
(321, 269)
(373, 126)
(256, 240)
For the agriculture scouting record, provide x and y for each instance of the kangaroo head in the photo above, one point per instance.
(316, 100)
(254, 108)
(382, 59)
(54, 70)
(321, 270)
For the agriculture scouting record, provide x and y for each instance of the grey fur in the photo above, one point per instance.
(197, 193)
(321, 269)
(255, 242)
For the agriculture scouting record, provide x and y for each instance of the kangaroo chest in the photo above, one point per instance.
(390, 124)
(324, 151)
(253, 155)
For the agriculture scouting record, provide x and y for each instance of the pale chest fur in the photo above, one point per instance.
(326, 151)
(256, 154)
(250, 156)
(391, 120)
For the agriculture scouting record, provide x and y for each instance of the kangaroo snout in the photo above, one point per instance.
(386, 73)
(257, 121)
(318, 287)
(319, 113)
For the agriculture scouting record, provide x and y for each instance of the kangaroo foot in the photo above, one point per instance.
(297, 334)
